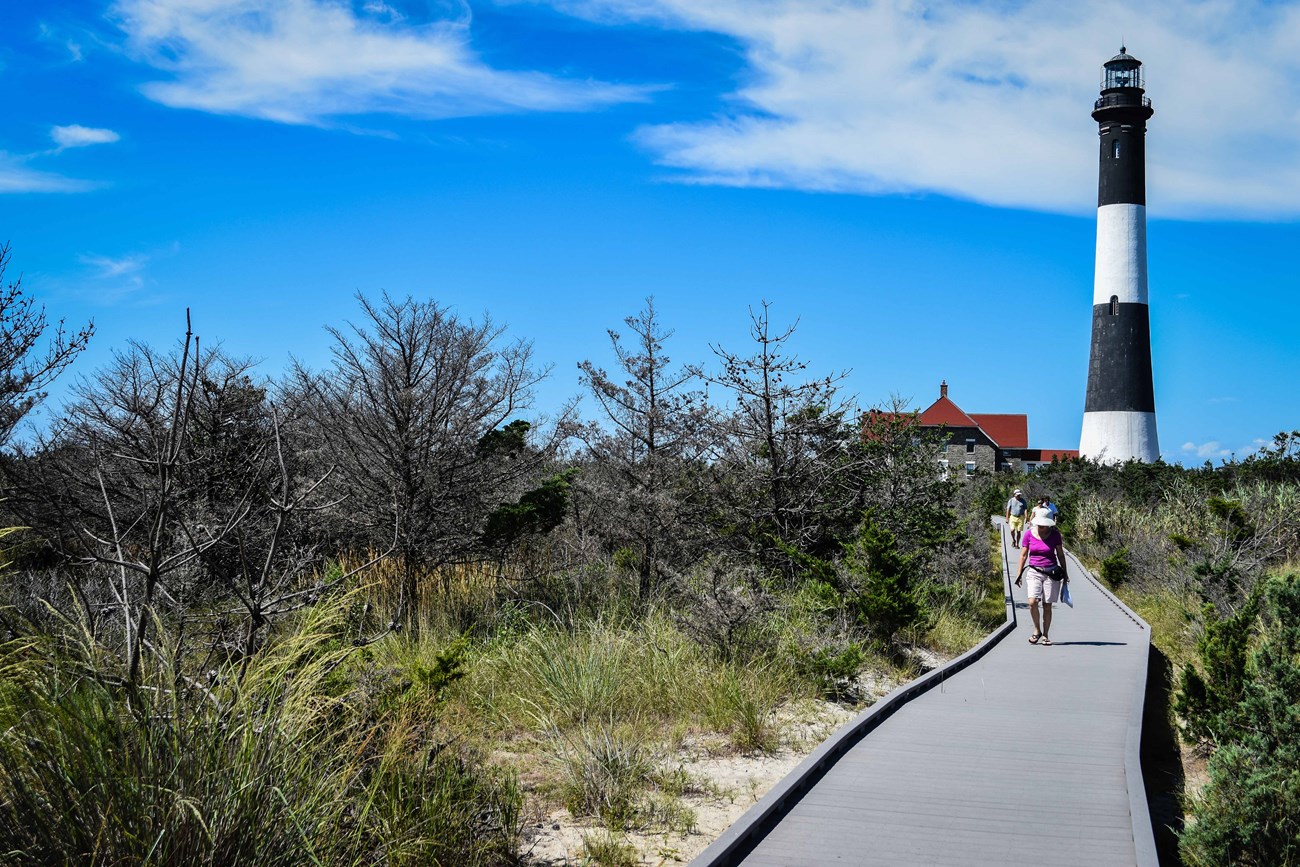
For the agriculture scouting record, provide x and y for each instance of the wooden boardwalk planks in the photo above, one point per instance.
(1028, 756)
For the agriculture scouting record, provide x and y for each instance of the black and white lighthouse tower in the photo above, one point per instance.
(1119, 418)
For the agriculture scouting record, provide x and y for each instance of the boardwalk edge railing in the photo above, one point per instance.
(745, 833)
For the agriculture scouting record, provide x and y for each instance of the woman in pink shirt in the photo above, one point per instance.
(1041, 551)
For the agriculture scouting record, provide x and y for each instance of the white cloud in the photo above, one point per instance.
(309, 61)
(16, 177)
(990, 101)
(1207, 450)
(1214, 450)
(76, 136)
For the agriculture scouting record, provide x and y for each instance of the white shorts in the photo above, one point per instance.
(1039, 586)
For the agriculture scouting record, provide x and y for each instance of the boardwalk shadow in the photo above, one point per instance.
(1089, 643)
(1162, 764)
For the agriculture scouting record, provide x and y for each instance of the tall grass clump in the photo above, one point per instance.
(601, 670)
(274, 767)
(603, 770)
(741, 702)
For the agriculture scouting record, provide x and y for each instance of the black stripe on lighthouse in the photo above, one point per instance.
(1122, 177)
(1119, 379)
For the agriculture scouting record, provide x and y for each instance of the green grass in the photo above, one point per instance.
(323, 753)
(1174, 620)
(603, 771)
(612, 672)
(951, 634)
(604, 849)
(276, 767)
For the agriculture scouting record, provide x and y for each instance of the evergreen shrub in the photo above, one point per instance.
(1244, 701)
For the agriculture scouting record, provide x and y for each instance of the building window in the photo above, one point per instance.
(970, 445)
(970, 469)
(943, 469)
(1115, 148)
(1114, 305)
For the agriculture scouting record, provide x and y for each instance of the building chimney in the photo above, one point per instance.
(943, 388)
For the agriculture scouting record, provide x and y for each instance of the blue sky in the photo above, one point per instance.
(914, 182)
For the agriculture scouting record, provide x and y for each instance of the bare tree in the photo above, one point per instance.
(25, 370)
(655, 422)
(782, 446)
(107, 486)
(271, 573)
(165, 485)
(407, 413)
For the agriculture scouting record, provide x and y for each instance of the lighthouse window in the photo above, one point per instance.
(1115, 148)
(1114, 305)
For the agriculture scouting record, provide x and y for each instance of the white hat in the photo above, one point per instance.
(1017, 492)
(1043, 517)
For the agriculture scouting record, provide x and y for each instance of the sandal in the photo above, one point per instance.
(1033, 639)
(1045, 641)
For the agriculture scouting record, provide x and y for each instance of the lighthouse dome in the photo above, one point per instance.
(1124, 57)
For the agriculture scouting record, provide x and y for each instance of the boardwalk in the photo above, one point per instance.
(1028, 756)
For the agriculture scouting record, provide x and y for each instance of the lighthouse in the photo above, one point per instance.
(1119, 418)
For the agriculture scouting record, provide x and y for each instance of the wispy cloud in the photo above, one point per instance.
(47, 33)
(17, 177)
(106, 267)
(76, 136)
(989, 101)
(114, 279)
(312, 61)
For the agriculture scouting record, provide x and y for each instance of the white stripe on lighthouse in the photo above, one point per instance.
(1121, 255)
(1115, 437)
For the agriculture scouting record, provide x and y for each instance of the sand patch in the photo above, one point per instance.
(722, 786)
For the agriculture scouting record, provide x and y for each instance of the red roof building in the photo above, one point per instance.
(988, 442)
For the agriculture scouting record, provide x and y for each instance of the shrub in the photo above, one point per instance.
(831, 668)
(723, 607)
(883, 593)
(1208, 698)
(1115, 569)
(1249, 813)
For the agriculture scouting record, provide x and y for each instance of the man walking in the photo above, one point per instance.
(1016, 508)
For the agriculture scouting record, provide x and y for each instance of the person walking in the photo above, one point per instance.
(1016, 508)
(1042, 562)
